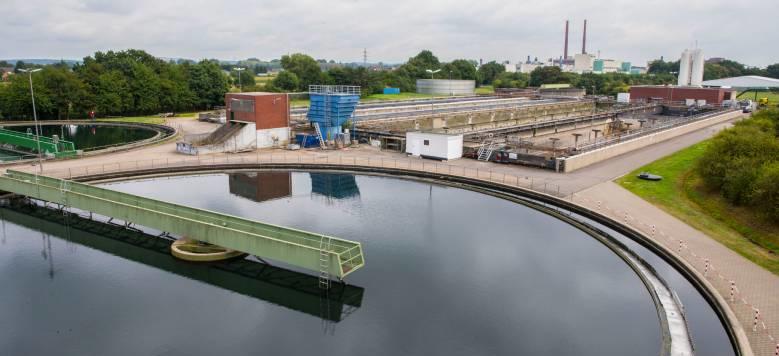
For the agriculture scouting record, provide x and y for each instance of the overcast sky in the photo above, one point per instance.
(391, 30)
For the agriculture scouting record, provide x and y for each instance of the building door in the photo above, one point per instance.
(414, 148)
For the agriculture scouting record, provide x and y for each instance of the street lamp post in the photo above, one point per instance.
(35, 118)
(239, 70)
(671, 98)
(432, 72)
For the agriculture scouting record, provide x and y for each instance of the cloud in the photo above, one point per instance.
(391, 31)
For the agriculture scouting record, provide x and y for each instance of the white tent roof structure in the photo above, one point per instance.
(746, 82)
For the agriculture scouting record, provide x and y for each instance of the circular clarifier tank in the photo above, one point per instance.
(448, 271)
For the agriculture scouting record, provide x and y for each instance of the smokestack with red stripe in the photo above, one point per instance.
(584, 38)
(565, 50)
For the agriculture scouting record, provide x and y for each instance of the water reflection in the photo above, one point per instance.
(261, 187)
(290, 289)
(334, 186)
(267, 186)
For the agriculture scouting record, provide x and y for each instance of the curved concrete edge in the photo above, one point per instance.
(163, 134)
(733, 327)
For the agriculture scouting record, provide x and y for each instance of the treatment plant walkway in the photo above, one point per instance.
(591, 187)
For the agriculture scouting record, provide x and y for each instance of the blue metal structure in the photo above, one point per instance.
(331, 106)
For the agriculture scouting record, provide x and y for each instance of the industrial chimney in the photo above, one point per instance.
(565, 50)
(584, 38)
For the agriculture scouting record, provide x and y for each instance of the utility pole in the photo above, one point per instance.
(35, 119)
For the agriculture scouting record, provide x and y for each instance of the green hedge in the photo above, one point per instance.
(743, 163)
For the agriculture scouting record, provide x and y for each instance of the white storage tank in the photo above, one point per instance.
(434, 145)
(446, 87)
(696, 75)
(685, 68)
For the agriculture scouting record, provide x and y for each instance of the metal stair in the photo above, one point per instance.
(485, 150)
(319, 135)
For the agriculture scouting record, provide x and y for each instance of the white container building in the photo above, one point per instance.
(434, 145)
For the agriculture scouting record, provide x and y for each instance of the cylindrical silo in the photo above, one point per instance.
(684, 69)
(696, 76)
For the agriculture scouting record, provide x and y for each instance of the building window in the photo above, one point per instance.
(427, 143)
(242, 105)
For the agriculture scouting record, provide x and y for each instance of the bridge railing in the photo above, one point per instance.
(300, 248)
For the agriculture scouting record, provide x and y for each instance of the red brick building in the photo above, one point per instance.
(268, 111)
(714, 96)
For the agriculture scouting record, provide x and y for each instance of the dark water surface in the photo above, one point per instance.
(448, 272)
(86, 137)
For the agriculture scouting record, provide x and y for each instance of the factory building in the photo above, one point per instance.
(269, 112)
(689, 85)
(583, 62)
(529, 67)
(607, 66)
(713, 96)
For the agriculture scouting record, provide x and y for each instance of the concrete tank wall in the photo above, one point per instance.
(445, 86)
(466, 122)
(588, 158)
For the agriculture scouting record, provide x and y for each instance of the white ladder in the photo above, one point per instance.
(485, 151)
(64, 189)
(324, 263)
(319, 135)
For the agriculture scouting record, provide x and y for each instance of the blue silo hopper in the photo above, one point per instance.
(331, 106)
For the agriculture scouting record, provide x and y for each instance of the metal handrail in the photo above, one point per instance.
(644, 132)
(528, 182)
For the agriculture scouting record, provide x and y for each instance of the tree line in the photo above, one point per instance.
(130, 82)
(741, 164)
(133, 82)
(723, 68)
(301, 70)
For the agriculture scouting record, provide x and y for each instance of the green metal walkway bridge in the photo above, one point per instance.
(329, 256)
(58, 148)
(293, 290)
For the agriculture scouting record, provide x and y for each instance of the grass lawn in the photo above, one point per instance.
(262, 79)
(150, 119)
(773, 97)
(485, 89)
(682, 194)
